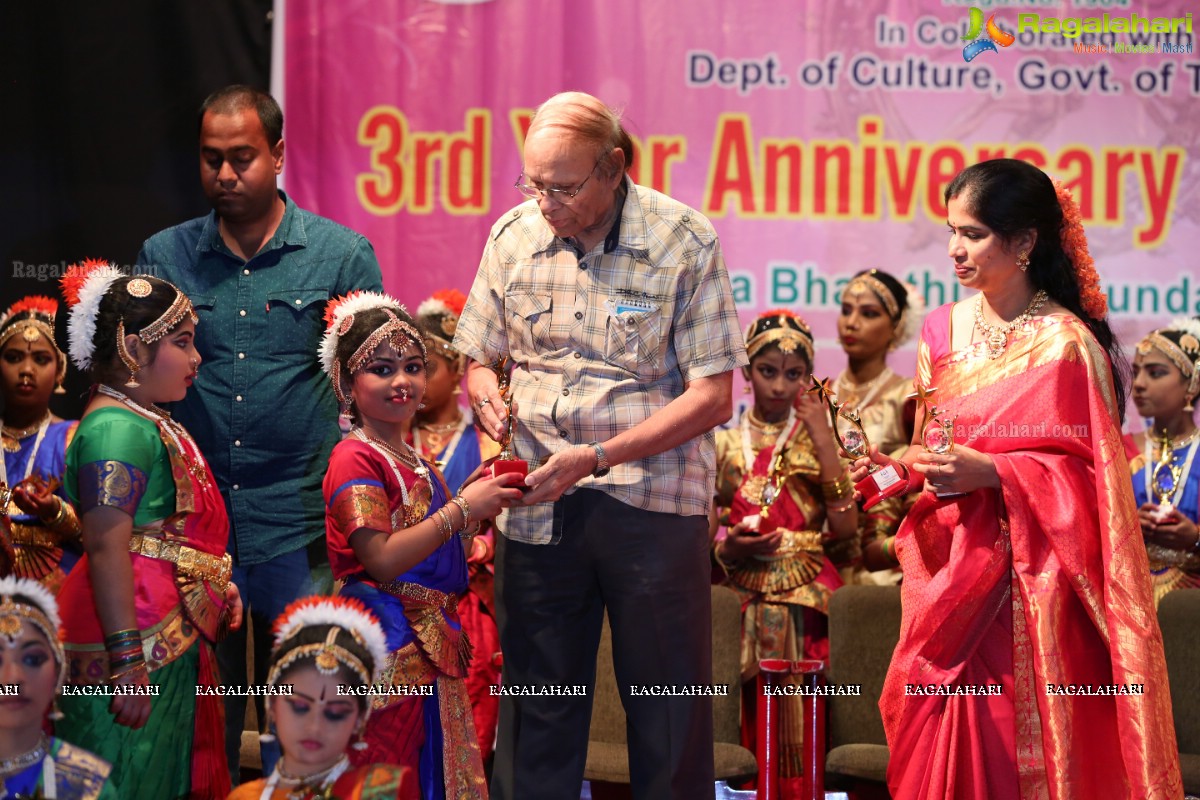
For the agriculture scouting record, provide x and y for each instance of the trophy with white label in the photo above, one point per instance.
(881, 482)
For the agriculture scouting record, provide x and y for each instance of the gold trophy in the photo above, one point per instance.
(507, 462)
(1164, 480)
(881, 482)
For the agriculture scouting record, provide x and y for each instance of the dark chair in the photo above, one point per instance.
(864, 627)
(608, 758)
(1179, 618)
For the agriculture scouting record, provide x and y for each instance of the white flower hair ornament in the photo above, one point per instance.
(913, 316)
(340, 614)
(339, 318)
(37, 607)
(84, 286)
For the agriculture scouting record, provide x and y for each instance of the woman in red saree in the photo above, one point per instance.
(1030, 663)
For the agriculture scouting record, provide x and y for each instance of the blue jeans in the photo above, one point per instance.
(266, 590)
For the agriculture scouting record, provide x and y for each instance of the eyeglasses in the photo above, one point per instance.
(563, 196)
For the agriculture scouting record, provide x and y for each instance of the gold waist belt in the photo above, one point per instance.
(33, 536)
(422, 594)
(190, 562)
(793, 542)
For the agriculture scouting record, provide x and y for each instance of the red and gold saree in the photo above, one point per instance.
(1040, 588)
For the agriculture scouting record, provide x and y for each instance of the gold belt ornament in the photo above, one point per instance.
(422, 594)
(794, 542)
(33, 536)
(190, 562)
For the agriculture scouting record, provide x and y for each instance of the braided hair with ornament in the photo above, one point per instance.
(1011, 197)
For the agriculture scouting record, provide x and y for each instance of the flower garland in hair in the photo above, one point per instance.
(1074, 244)
(84, 286)
(443, 303)
(913, 315)
(345, 613)
(37, 304)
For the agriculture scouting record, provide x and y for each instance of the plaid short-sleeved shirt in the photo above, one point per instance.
(601, 341)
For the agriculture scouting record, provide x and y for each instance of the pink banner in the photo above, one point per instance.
(818, 137)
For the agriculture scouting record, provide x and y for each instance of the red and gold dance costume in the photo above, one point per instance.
(180, 573)
(458, 448)
(375, 782)
(1040, 583)
(785, 596)
(369, 485)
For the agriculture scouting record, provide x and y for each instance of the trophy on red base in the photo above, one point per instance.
(507, 462)
(881, 482)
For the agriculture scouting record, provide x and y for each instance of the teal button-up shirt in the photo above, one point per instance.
(261, 409)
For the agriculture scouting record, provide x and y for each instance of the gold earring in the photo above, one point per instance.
(360, 744)
(126, 358)
(1023, 260)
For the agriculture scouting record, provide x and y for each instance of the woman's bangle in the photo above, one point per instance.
(116, 676)
(122, 637)
(716, 551)
(845, 505)
(839, 488)
(465, 508)
(889, 548)
(448, 521)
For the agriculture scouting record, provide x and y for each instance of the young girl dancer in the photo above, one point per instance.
(44, 528)
(143, 607)
(391, 525)
(328, 650)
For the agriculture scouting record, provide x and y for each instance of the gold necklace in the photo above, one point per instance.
(861, 394)
(996, 336)
(17, 434)
(444, 428)
(1175, 444)
(762, 426)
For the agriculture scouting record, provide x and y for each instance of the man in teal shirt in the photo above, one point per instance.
(259, 271)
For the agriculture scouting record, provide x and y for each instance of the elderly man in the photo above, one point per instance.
(614, 305)
(259, 270)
